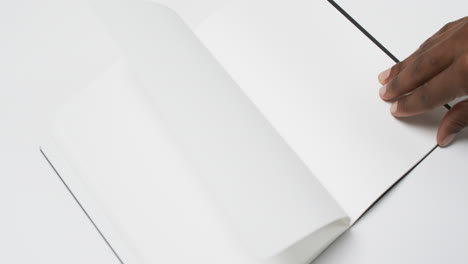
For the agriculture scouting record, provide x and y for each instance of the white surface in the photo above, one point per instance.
(423, 220)
(401, 25)
(319, 94)
(41, 61)
(118, 143)
(39, 220)
(218, 129)
(193, 12)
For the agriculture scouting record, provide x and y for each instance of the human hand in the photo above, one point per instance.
(432, 76)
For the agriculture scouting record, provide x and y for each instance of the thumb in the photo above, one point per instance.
(454, 121)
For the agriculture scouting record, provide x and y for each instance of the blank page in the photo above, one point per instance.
(171, 112)
(314, 76)
(403, 36)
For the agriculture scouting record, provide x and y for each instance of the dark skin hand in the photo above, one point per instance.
(432, 76)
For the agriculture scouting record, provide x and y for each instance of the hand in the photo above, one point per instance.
(432, 76)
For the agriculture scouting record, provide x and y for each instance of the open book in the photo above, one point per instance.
(257, 138)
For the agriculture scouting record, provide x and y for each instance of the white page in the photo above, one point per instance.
(129, 160)
(403, 36)
(314, 76)
(268, 196)
(193, 12)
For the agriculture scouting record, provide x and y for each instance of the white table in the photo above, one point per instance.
(39, 220)
(422, 219)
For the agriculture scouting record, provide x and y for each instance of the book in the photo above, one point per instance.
(257, 137)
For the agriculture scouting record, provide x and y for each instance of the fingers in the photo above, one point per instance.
(433, 75)
(441, 89)
(439, 36)
(452, 123)
(389, 74)
(422, 69)
(385, 76)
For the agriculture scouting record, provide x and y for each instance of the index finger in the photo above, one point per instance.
(421, 70)
(385, 76)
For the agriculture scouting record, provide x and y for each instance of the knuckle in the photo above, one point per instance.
(425, 45)
(423, 65)
(426, 61)
(397, 67)
(446, 26)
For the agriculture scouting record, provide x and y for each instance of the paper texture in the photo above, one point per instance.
(314, 76)
(138, 134)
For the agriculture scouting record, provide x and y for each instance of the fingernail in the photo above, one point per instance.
(447, 140)
(382, 91)
(394, 107)
(383, 76)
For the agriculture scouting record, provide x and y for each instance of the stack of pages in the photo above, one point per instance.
(257, 138)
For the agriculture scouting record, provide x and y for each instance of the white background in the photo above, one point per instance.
(44, 58)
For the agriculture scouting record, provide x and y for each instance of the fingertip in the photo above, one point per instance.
(394, 108)
(399, 109)
(444, 142)
(454, 121)
(383, 76)
(383, 91)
